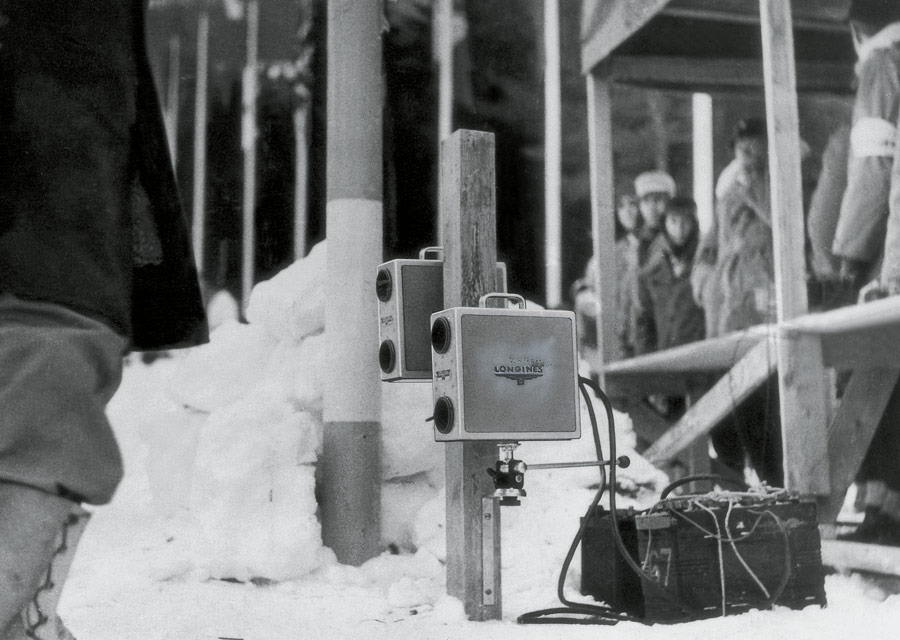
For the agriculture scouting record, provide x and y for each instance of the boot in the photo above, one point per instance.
(39, 618)
(38, 531)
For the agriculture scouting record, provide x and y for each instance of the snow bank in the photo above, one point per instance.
(231, 459)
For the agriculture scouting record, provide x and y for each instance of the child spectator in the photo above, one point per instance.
(654, 190)
(666, 314)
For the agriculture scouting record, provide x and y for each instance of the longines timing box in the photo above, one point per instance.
(409, 291)
(504, 374)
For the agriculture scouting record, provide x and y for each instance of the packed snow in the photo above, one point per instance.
(214, 531)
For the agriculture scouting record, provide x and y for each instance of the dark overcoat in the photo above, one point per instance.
(666, 315)
(90, 216)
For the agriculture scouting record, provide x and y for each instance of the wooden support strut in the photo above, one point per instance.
(470, 257)
(743, 379)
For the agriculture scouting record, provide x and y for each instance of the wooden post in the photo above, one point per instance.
(603, 223)
(467, 195)
(350, 468)
(198, 230)
(248, 145)
(552, 157)
(801, 374)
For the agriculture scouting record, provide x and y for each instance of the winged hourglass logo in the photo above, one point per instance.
(520, 372)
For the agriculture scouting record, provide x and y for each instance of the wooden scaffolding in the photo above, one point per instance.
(777, 48)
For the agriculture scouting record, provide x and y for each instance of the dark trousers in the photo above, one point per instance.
(753, 430)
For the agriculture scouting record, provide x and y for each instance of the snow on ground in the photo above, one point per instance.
(213, 532)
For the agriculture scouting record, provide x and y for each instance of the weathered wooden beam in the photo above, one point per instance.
(607, 24)
(714, 354)
(852, 429)
(640, 385)
(862, 349)
(735, 386)
(718, 74)
(468, 213)
(870, 315)
(824, 15)
(801, 374)
(603, 222)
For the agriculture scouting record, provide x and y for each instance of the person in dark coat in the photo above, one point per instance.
(666, 314)
(94, 261)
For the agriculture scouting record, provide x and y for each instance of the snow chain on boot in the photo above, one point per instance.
(41, 610)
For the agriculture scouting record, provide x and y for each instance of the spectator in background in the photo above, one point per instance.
(859, 240)
(666, 314)
(654, 190)
(871, 208)
(734, 274)
(585, 295)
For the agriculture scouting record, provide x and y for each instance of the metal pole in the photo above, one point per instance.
(248, 145)
(172, 98)
(350, 466)
(703, 158)
(443, 32)
(443, 35)
(200, 119)
(552, 155)
(301, 176)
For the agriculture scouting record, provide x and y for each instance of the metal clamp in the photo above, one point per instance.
(509, 297)
(437, 253)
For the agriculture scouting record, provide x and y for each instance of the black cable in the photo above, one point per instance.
(646, 578)
(598, 614)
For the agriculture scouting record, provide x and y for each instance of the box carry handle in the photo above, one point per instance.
(436, 253)
(508, 297)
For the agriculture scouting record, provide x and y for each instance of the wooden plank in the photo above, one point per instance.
(852, 429)
(801, 374)
(640, 385)
(879, 313)
(603, 223)
(606, 24)
(468, 213)
(717, 74)
(827, 15)
(742, 380)
(715, 354)
(866, 349)
(854, 556)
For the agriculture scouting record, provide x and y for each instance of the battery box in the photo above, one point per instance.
(776, 545)
(604, 574)
(770, 553)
